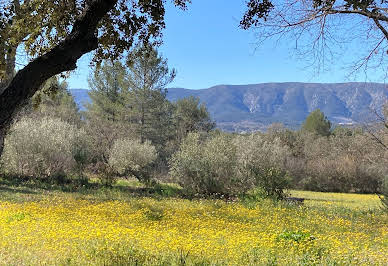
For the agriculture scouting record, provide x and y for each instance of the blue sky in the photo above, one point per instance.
(207, 48)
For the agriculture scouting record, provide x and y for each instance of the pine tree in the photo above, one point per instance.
(317, 123)
(191, 116)
(148, 76)
(108, 86)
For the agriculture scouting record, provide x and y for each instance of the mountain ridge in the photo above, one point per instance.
(251, 107)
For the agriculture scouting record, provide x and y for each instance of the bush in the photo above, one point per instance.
(46, 147)
(102, 134)
(132, 157)
(343, 163)
(207, 167)
(264, 163)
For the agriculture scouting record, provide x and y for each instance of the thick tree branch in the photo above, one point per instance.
(62, 57)
(383, 30)
(365, 13)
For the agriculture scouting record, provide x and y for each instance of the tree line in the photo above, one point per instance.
(130, 130)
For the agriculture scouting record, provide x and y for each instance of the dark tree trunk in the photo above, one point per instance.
(2, 135)
(63, 57)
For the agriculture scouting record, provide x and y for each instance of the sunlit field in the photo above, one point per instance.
(64, 228)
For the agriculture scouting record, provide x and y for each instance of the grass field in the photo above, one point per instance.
(130, 225)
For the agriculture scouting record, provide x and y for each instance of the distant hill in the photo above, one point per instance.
(255, 106)
(81, 97)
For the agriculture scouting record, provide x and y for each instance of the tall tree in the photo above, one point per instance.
(191, 116)
(55, 34)
(108, 86)
(148, 76)
(107, 115)
(317, 123)
(55, 100)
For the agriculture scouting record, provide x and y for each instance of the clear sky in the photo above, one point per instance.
(207, 48)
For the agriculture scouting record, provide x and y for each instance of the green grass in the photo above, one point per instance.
(27, 190)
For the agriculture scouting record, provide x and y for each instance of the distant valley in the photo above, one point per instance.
(252, 107)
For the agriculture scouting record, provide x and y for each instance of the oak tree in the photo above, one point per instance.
(55, 34)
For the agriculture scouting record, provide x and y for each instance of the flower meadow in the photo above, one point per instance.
(57, 230)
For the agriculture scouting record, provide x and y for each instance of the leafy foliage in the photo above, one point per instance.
(39, 25)
(191, 116)
(148, 76)
(54, 100)
(317, 123)
(132, 157)
(107, 88)
(264, 163)
(206, 167)
(46, 147)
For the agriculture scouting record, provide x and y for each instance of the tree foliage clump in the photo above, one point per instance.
(227, 165)
(131, 157)
(343, 163)
(46, 147)
(207, 166)
(148, 75)
(54, 100)
(264, 164)
(317, 123)
(191, 116)
(107, 88)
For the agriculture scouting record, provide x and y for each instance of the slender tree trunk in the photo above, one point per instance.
(142, 125)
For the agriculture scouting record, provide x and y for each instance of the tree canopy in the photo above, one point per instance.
(317, 123)
(55, 34)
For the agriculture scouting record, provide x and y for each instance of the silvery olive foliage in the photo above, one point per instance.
(45, 147)
(206, 167)
(263, 164)
(131, 157)
(231, 165)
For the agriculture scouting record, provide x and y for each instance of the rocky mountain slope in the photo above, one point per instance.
(255, 106)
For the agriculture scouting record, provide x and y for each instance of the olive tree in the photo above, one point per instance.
(131, 157)
(264, 164)
(45, 147)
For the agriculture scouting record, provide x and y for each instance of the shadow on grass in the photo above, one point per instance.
(16, 190)
(84, 187)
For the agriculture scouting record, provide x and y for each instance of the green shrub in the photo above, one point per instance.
(207, 167)
(45, 147)
(343, 163)
(297, 236)
(131, 157)
(264, 164)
